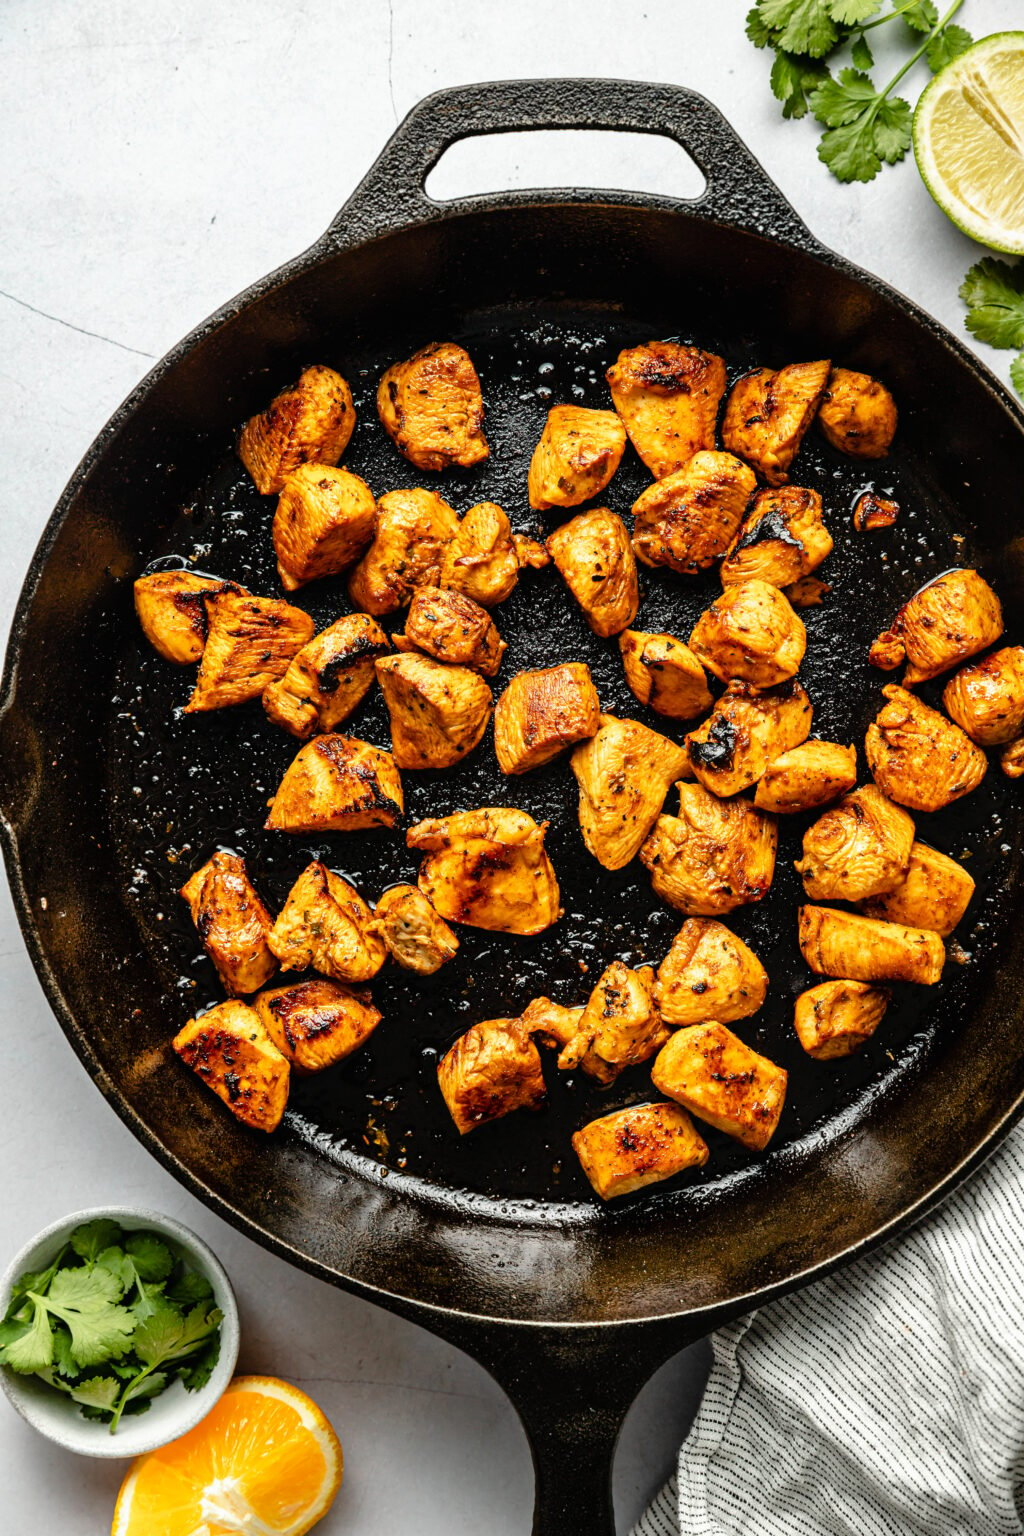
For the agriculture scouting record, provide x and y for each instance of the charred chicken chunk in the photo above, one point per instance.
(668, 397)
(432, 408)
(986, 699)
(482, 560)
(714, 856)
(750, 633)
(578, 453)
(438, 713)
(595, 560)
(688, 520)
(317, 1023)
(326, 925)
(709, 1071)
(325, 518)
(854, 948)
(782, 539)
(491, 1070)
(747, 729)
(417, 939)
(452, 628)
(808, 592)
(859, 848)
(1011, 759)
(637, 1146)
(542, 713)
(550, 1022)
(857, 414)
(172, 612)
(328, 678)
(934, 893)
(530, 552)
(872, 513)
(624, 773)
(337, 784)
(311, 421)
(249, 644)
(413, 531)
(953, 617)
(807, 777)
(837, 1017)
(488, 868)
(619, 1027)
(768, 413)
(918, 757)
(233, 923)
(229, 1049)
(664, 674)
(709, 974)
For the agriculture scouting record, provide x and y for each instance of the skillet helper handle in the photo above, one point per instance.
(739, 191)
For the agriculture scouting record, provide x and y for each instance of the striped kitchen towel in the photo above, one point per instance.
(887, 1400)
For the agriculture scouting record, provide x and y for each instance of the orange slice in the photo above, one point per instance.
(264, 1462)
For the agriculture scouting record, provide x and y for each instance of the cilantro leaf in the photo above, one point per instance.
(861, 53)
(1017, 374)
(850, 13)
(157, 1335)
(865, 127)
(33, 1349)
(37, 1280)
(792, 80)
(196, 1372)
(90, 1239)
(115, 1260)
(760, 34)
(189, 1287)
(993, 291)
(838, 102)
(86, 1300)
(800, 26)
(152, 1259)
(96, 1392)
(946, 46)
(922, 16)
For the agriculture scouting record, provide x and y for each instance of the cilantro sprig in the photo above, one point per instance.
(112, 1321)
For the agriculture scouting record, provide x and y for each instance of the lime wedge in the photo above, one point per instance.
(969, 141)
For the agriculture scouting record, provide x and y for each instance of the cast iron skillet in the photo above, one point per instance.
(110, 799)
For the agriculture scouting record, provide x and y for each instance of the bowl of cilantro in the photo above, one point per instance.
(119, 1331)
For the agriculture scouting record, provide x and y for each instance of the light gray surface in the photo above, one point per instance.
(158, 158)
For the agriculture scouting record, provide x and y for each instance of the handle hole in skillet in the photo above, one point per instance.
(637, 162)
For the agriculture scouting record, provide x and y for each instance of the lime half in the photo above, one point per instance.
(969, 141)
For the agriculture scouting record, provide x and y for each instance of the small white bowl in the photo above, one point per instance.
(172, 1413)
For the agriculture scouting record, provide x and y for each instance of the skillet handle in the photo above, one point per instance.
(739, 191)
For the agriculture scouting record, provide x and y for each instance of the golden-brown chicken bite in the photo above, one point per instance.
(542, 713)
(918, 757)
(484, 557)
(310, 422)
(337, 784)
(413, 532)
(325, 518)
(325, 924)
(859, 848)
(668, 396)
(233, 923)
(491, 1070)
(619, 1027)
(624, 772)
(808, 592)
(855, 948)
(952, 618)
(595, 560)
(171, 610)
(747, 729)
(316, 1023)
(640, 1145)
(709, 1071)
(432, 408)
(328, 678)
(767, 414)
(229, 1049)
(857, 414)
(417, 938)
(1011, 758)
(714, 856)
(750, 633)
(709, 973)
(488, 868)
(873, 513)
(438, 713)
(664, 674)
(836, 1018)
(250, 643)
(986, 698)
(781, 540)
(934, 893)
(808, 776)
(688, 520)
(551, 1023)
(578, 453)
(452, 628)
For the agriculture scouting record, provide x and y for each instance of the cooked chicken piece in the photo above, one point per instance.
(781, 540)
(311, 422)
(438, 713)
(550, 1022)
(337, 784)
(689, 519)
(640, 1145)
(751, 633)
(172, 612)
(859, 848)
(413, 531)
(325, 518)
(918, 757)
(482, 560)
(768, 413)
(328, 678)
(452, 628)
(416, 937)
(710, 1071)
(953, 617)
(714, 856)
(595, 560)
(857, 414)
(619, 1028)
(808, 592)
(488, 868)
(317, 1023)
(491, 1070)
(326, 925)
(807, 777)
(934, 893)
(542, 713)
(529, 552)
(668, 397)
(233, 1054)
(836, 943)
(873, 512)
(664, 674)
(624, 773)
(432, 408)
(249, 644)
(709, 974)
(837, 1017)
(1011, 759)
(986, 699)
(233, 923)
(747, 729)
(578, 453)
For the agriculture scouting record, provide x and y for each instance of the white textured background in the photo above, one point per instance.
(156, 158)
